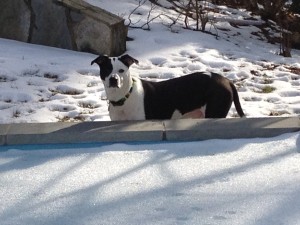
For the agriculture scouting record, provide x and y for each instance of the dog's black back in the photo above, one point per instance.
(213, 90)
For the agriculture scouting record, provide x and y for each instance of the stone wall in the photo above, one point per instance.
(69, 24)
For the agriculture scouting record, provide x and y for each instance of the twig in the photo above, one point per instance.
(149, 19)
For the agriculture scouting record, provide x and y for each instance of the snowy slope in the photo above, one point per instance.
(42, 84)
(253, 181)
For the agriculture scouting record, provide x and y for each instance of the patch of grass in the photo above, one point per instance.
(294, 70)
(277, 113)
(52, 76)
(271, 66)
(88, 105)
(16, 113)
(30, 83)
(268, 89)
(44, 100)
(78, 118)
(30, 111)
(31, 73)
(68, 91)
(62, 108)
(267, 81)
(64, 119)
(87, 112)
(226, 70)
(3, 78)
(255, 72)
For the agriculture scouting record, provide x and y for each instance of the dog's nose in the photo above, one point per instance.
(113, 82)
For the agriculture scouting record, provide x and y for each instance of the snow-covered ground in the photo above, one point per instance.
(43, 84)
(253, 182)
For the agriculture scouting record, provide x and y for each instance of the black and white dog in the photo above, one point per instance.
(196, 95)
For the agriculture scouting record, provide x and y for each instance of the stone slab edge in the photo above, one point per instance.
(230, 128)
(153, 131)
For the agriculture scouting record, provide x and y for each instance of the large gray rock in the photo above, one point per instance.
(50, 25)
(70, 24)
(88, 32)
(15, 20)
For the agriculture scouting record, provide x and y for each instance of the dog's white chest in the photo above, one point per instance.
(118, 114)
(133, 107)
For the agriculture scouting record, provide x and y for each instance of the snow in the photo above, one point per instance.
(251, 181)
(44, 84)
(245, 181)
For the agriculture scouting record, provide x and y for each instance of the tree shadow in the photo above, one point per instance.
(169, 201)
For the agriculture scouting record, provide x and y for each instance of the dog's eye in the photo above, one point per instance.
(121, 71)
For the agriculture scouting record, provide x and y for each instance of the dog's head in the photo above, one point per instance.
(114, 70)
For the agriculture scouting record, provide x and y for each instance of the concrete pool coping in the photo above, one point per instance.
(135, 131)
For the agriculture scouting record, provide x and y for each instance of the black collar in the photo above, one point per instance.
(123, 100)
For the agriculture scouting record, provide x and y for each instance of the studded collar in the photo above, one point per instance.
(123, 100)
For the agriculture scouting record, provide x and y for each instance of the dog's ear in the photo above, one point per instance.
(100, 59)
(128, 60)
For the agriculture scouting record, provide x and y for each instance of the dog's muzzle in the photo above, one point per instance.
(115, 81)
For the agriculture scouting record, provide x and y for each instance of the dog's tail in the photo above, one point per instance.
(236, 101)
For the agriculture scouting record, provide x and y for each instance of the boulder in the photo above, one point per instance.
(69, 24)
(50, 25)
(15, 20)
